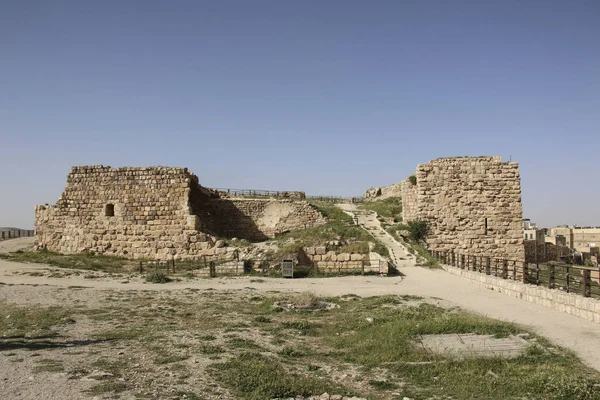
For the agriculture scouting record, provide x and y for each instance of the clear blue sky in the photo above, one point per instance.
(329, 97)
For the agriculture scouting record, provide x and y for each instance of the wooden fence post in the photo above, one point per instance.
(587, 283)
(525, 272)
(488, 265)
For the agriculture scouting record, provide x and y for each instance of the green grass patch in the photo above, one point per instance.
(253, 376)
(339, 226)
(48, 365)
(428, 260)
(31, 321)
(170, 358)
(107, 387)
(85, 261)
(388, 208)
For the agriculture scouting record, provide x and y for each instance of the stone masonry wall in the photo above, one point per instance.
(259, 219)
(472, 205)
(409, 195)
(151, 214)
(157, 213)
(331, 262)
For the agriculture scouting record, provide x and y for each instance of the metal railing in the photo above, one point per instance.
(262, 193)
(13, 234)
(336, 200)
(287, 194)
(581, 280)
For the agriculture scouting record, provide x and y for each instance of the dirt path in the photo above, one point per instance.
(368, 221)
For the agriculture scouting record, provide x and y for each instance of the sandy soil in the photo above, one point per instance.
(11, 245)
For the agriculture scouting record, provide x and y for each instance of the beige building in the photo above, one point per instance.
(565, 231)
(535, 234)
(532, 232)
(580, 239)
(585, 239)
(558, 240)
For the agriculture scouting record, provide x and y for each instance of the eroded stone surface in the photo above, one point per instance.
(472, 346)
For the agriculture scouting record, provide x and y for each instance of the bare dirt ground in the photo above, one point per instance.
(568, 331)
(10, 245)
(49, 370)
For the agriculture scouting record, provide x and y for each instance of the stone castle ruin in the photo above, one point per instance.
(472, 205)
(159, 213)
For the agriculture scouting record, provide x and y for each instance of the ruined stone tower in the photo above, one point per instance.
(472, 206)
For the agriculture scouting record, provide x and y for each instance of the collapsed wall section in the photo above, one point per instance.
(472, 205)
(259, 219)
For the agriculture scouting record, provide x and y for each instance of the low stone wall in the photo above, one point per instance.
(570, 303)
(231, 268)
(331, 262)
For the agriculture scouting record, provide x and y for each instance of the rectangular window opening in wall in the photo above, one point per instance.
(486, 227)
(109, 210)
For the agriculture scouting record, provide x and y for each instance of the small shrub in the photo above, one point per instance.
(412, 179)
(304, 299)
(382, 385)
(417, 230)
(157, 277)
(293, 352)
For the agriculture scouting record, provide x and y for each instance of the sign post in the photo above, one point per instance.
(287, 268)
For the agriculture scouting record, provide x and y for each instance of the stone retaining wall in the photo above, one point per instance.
(230, 268)
(331, 262)
(570, 303)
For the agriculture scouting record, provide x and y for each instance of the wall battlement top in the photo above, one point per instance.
(84, 169)
(495, 159)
